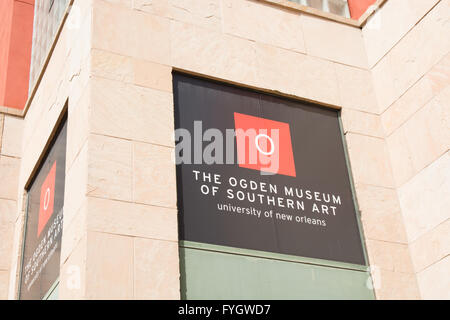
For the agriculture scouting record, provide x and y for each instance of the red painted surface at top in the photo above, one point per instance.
(16, 33)
(6, 14)
(359, 7)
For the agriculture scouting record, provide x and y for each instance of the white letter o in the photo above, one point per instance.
(272, 144)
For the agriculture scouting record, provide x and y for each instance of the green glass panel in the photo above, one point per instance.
(217, 275)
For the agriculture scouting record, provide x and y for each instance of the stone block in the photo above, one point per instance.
(156, 270)
(154, 175)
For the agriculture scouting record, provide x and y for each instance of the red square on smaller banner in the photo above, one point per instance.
(47, 199)
(264, 145)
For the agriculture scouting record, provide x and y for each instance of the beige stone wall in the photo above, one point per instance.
(409, 55)
(113, 64)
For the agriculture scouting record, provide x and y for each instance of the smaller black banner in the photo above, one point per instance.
(42, 248)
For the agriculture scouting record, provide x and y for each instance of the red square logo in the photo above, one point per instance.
(264, 145)
(47, 199)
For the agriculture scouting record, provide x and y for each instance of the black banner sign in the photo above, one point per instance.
(260, 172)
(42, 247)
